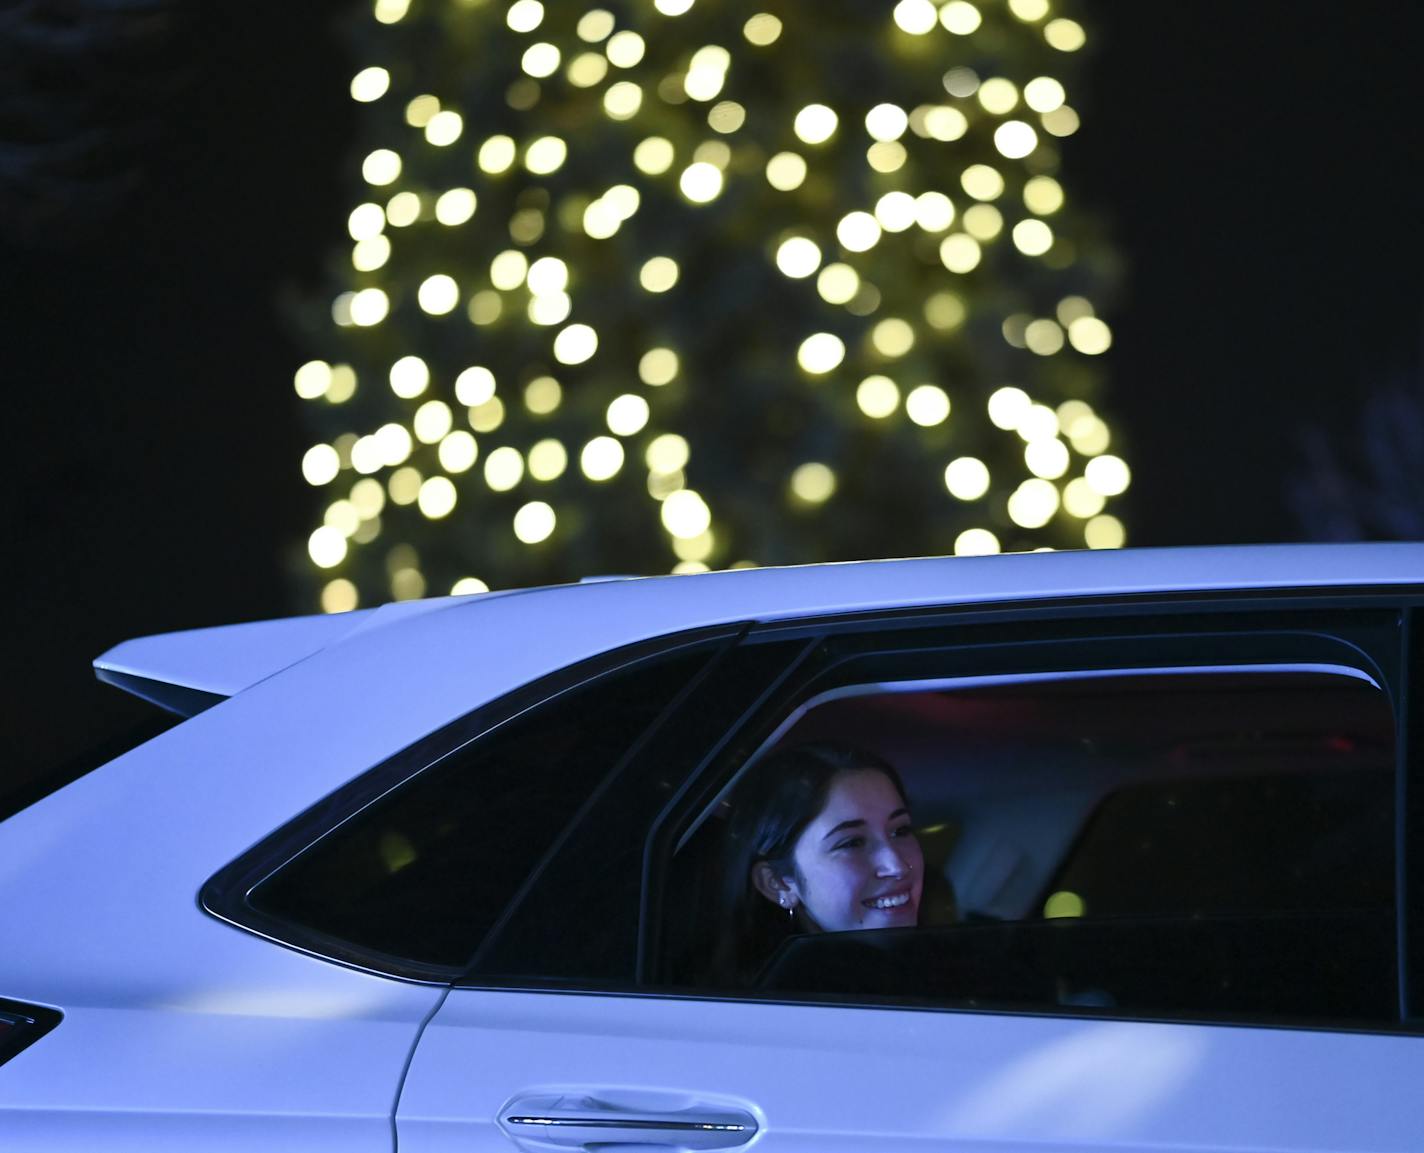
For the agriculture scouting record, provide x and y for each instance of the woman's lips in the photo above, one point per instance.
(888, 901)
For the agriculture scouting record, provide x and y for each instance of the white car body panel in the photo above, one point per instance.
(183, 1031)
(822, 1079)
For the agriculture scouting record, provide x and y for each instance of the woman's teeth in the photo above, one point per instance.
(888, 902)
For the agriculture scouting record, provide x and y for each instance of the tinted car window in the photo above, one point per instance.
(1216, 845)
(424, 872)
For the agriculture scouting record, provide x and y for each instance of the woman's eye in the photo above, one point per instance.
(903, 831)
(851, 843)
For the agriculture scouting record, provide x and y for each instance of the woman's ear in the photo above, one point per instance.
(773, 886)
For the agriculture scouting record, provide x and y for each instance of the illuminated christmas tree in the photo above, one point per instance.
(667, 285)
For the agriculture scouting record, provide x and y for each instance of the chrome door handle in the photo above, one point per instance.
(575, 1122)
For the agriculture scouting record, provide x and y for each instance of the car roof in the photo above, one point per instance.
(225, 660)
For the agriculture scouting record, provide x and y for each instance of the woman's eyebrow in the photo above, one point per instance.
(854, 822)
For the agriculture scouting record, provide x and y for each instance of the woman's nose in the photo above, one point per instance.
(890, 861)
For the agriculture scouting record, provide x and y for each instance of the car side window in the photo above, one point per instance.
(1209, 843)
(422, 873)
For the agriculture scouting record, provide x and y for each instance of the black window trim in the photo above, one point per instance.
(225, 894)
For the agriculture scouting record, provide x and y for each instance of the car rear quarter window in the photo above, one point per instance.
(421, 874)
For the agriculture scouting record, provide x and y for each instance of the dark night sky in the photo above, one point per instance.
(1252, 159)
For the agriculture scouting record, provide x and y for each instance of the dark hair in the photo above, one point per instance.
(772, 804)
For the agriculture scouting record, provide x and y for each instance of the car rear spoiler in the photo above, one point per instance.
(187, 672)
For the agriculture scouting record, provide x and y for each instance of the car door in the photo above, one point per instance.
(572, 1029)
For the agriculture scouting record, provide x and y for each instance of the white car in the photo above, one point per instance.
(459, 875)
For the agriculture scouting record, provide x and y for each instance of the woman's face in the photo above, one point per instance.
(858, 864)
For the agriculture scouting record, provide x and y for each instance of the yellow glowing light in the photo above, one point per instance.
(1044, 94)
(550, 308)
(1065, 35)
(916, 17)
(1104, 532)
(1047, 457)
(967, 478)
(320, 464)
(419, 111)
(1108, 475)
(1082, 500)
(625, 49)
(485, 307)
(547, 460)
(1044, 337)
(545, 155)
(685, 514)
(381, 167)
(927, 405)
(1089, 335)
(815, 124)
(365, 455)
(524, 15)
(540, 60)
(700, 182)
(543, 395)
(438, 294)
(813, 483)
(474, 386)
(370, 84)
(661, 484)
(945, 123)
(892, 337)
(444, 128)
(786, 171)
(433, 420)
(673, 7)
(654, 156)
(1069, 309)
(959, 252)
(798, 257)
(437, 497)
(601, 219)
(895, 211)
(1015, 139)
(998, 95)
(667, 453)
(534, 522)
(820, 353)
(601, 458)
(858, 231)
(455, 206)
(945, 310)
(488, 416)
(1061, 122)
(976, 542)
(1029, 11)
(657, 366)
(595, 25)
(838, 283)
(877, 397)
(369, 306)
(393, 442)
(547, 275)
(508, 269)
(496, 154)
(312, 379)
(575, 344)
(343, 384)
(933, 211)
(391, 11)
(658, 274)
(587, 69)
(403, 209)
(366, 220)
(468, 586)
(1037, 422)
(627, 414)
(762, 29)
(526, 226)
(326, 547)
(341, 309)
(339, 596)
(886, 122)
(960, 17)
(886, 156)
(1063, 903)
(1033, 503)
(458, 451)
(504, 468)
(1043, 195)
(714, 152)
(983, 221)
(695, 550)
(1008, 406)
(726, 116)
(982, 182)
(407, 584)
(1089, 434)
(1032, 237)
